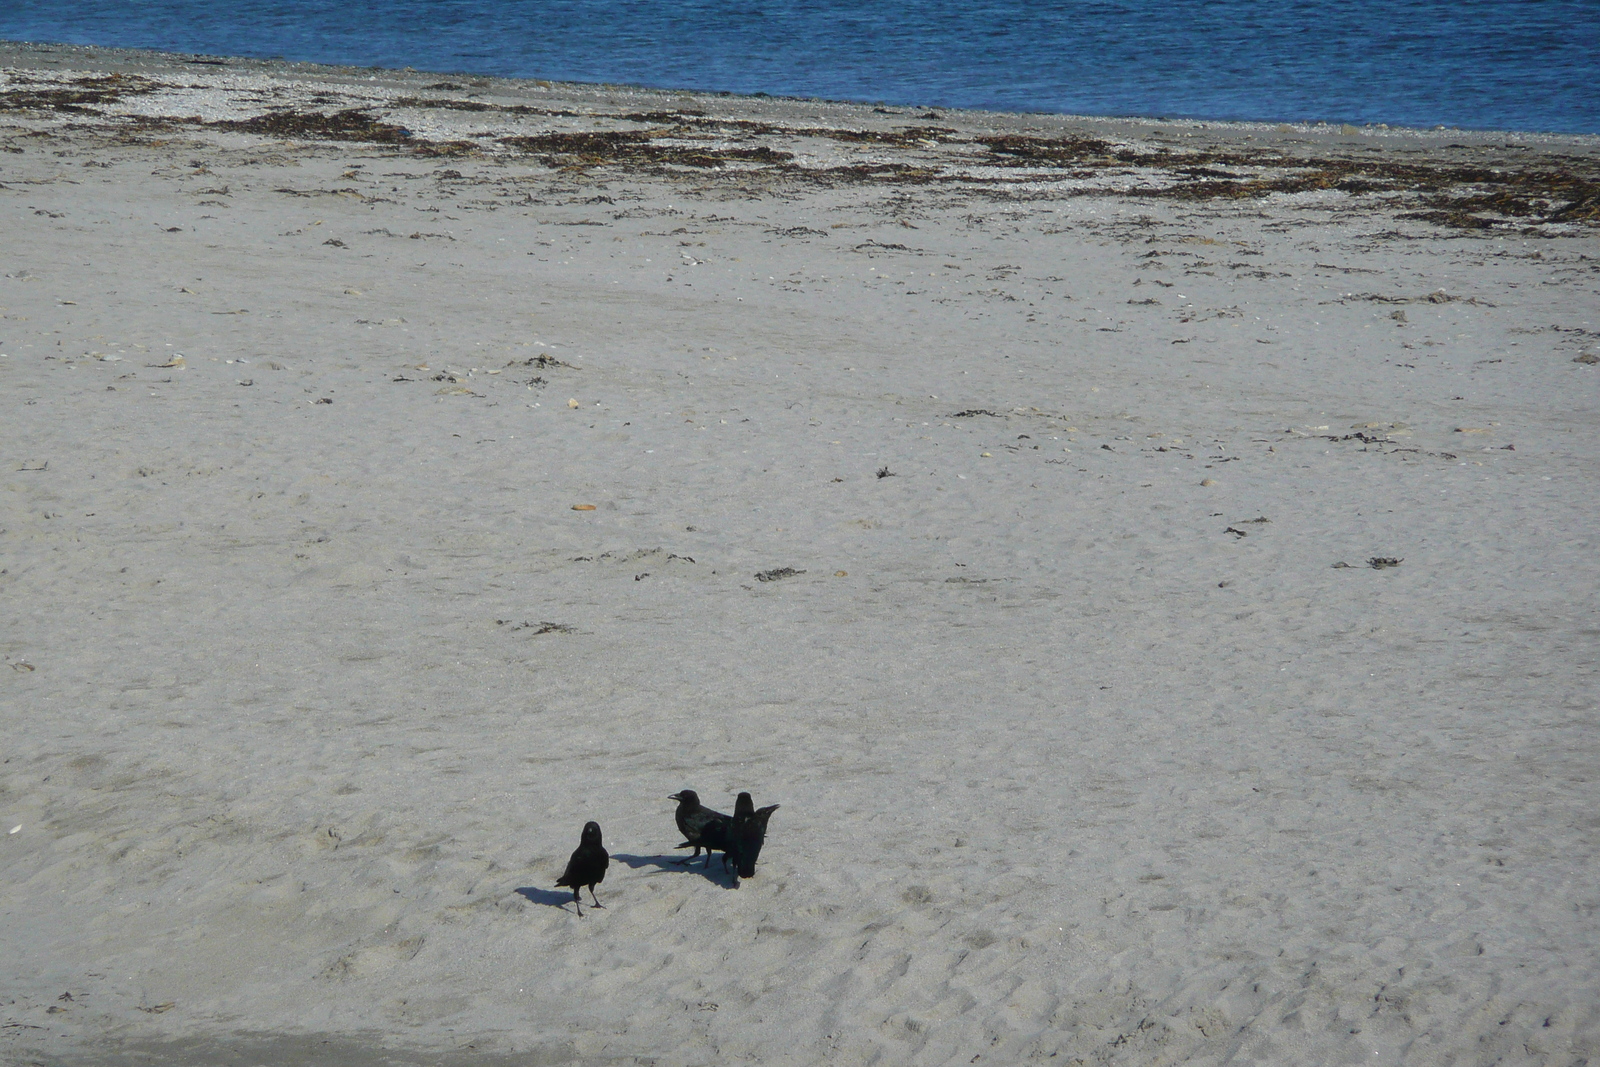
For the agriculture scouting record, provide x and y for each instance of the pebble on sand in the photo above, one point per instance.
(583, 507)
(1208, 481)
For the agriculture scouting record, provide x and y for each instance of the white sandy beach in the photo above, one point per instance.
(1088, 749)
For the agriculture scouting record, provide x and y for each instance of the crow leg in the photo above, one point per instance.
(595, 898)
(576, 899)
(691, 859)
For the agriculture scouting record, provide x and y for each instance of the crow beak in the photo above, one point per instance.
(676, 796)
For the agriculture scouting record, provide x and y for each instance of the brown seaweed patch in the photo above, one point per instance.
(1316, 181)
(442, 148)
(1042, 151)
(446, 104)
(1468, 197)
(85, 96)
(695, 120)
(866, 172)
(633, 148)
(908, 135)
(657, 118)
(1537, 196)
(352, 124)
(478, 106)
(599, 144)
(643, 149)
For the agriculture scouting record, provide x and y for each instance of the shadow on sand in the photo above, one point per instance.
(715, 873)
(555, 898)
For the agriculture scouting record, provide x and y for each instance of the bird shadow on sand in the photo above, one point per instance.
(714, 873)
(555, 898)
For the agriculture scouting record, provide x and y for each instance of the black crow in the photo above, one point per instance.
(747, 834)
(716, 837)
(701, 827)
(587, 866)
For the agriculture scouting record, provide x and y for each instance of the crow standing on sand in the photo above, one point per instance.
(747, 834)
(587, 866)
(701, 827)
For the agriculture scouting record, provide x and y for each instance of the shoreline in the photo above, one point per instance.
(139, 58)
(1542, 184)
(1151, 566)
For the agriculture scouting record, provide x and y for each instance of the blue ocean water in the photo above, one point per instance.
(1483, 64)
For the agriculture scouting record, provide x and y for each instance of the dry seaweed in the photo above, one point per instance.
(777, 574)
(1540, 196)
(442, 148)
(1487, 189)
(1461, 195)
(900, 173)
(1465, 196)
(1458, 195)
(658, 117)
(448, 104)
(633, 147)
(85, 96)
(907, 135)
(352, 124)
(1042, 151)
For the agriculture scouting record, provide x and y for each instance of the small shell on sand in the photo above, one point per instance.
(1208, 481)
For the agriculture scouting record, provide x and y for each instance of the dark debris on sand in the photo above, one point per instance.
(777, 574)
(1463, 187)
(1451, 194)
(351, 124)
(85, 96)
(633, 147)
